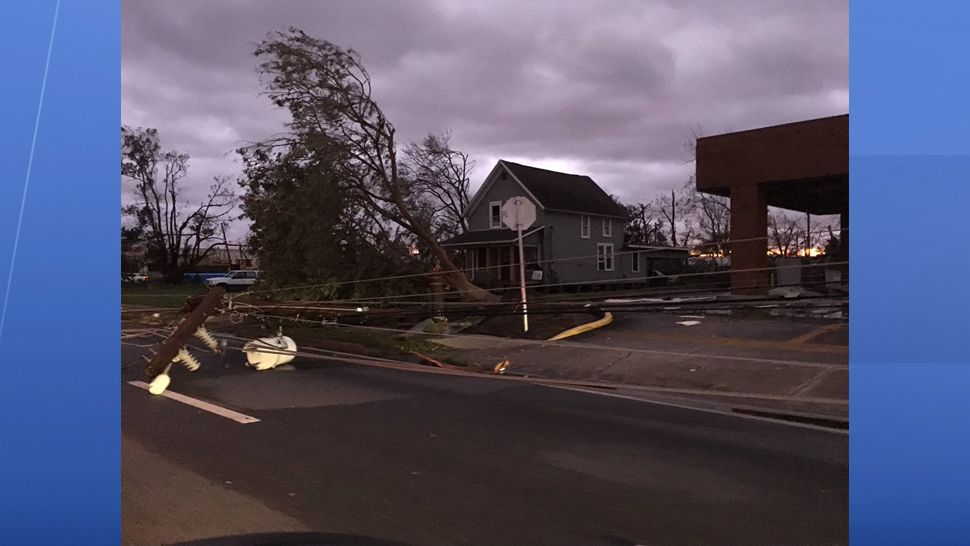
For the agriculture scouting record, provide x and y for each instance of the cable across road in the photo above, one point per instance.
(726, 243)
(386, 363)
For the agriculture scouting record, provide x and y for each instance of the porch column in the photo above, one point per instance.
(749, 226)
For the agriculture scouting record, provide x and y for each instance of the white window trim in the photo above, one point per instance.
(607, 227)
(602, 251)
(585, 226)
(635, 263)
(491, 218)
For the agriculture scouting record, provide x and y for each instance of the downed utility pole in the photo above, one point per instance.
(173, 349)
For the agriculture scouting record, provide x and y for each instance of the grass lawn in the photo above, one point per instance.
(159, 295)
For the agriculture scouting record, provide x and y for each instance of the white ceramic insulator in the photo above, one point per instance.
(187, 360)
(159, 384)
(269, 352)
(207, 338)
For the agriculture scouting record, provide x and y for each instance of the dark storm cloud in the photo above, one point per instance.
(609, 89)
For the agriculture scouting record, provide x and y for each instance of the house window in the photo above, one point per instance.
(635, 257)
(607, 227)
(584, 227)
(604, 257)
(495, 215)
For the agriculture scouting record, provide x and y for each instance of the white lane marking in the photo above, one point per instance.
(689, 322)
(201, 404)
(784, 422)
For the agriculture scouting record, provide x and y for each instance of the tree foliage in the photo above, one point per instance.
(643, 227)
(439, 175)
(174, 231)
(307, 228)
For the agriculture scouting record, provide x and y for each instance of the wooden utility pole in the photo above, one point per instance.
(808, 234)
(225, 241)
(188, 327)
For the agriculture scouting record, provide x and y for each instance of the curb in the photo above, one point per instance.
(583, 328)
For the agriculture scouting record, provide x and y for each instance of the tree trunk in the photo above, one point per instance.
(450, 273)
(457, 280)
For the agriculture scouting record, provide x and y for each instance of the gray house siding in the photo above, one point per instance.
(501, 190)
(573, 257)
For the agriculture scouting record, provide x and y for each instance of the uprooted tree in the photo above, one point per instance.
(173, 230)
(328, 94)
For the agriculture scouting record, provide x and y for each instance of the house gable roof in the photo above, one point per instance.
(565, 192)
(555, 190)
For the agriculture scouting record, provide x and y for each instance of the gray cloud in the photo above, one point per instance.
(606, 88)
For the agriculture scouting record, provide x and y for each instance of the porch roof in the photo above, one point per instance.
(660, 251)
(482, 237)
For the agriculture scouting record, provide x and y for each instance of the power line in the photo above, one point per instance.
(574, 345)
(485, 268)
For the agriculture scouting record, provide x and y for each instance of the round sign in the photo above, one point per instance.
(518, 213)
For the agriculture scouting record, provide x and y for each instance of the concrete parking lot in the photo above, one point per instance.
(792, 364)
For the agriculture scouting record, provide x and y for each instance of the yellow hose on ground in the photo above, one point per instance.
(583, 328)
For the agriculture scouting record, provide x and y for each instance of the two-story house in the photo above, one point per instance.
(578, 236)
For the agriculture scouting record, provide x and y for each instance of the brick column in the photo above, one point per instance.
(749, 225)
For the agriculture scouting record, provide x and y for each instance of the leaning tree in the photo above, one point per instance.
(329, 96)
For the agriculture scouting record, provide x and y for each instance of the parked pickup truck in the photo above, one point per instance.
(234, 280)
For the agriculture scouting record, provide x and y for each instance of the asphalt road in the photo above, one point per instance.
(352, 455)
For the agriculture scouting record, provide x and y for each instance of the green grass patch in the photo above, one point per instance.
(159, 295)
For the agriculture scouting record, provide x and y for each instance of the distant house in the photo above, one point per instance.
(578, 236)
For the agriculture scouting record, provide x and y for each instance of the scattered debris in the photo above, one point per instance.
(429, 360)
(501, 367)
(789, 292)
(660, 300)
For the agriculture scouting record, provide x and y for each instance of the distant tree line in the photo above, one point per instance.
(175, 233)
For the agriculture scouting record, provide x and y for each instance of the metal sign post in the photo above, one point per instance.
(519, 213)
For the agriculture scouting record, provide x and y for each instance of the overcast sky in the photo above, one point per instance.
(609, 89)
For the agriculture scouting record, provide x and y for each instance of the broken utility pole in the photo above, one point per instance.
(173, 348)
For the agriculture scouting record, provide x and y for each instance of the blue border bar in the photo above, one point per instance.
(59, 256)
(910, 379)
(910, 297)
